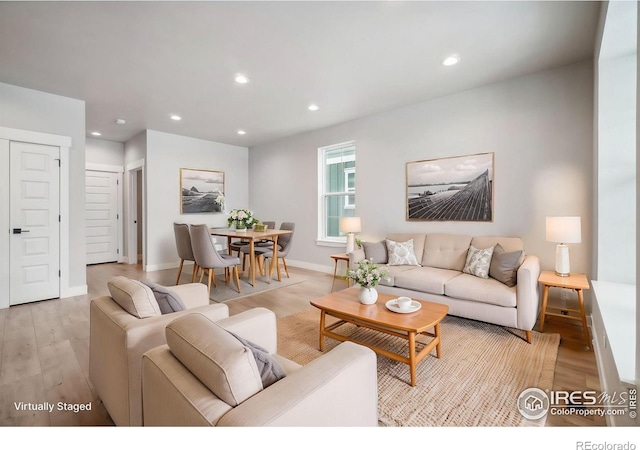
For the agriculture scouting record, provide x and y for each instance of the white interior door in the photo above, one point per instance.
(35, 222)
(101, 216)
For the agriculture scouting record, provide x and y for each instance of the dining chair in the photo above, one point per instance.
(284, 245)
(208, 258)
(185, 252)
(237, 246)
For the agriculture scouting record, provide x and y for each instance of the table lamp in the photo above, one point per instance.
(350, 225)
(564, 230)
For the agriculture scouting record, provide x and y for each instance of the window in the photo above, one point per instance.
(337, 190)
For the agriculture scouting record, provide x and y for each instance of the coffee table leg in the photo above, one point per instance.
(322, 330)
(437, 333)
(412, 357)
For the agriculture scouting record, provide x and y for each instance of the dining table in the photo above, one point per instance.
(251, 237)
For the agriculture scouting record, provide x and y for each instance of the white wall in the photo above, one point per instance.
(165, 155)
(32, 110)
(100, 151)
(539, 126)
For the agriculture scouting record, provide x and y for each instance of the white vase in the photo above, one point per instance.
(368, 296)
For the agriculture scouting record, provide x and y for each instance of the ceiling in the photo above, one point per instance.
(142, 61)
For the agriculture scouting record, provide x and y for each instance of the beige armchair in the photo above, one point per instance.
(121, 331)
(205, 377)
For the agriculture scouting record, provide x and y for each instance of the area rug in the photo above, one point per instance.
(482, 370)
(224, 292)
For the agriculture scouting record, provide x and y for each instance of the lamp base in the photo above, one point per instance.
(562, 261)
(351, 242)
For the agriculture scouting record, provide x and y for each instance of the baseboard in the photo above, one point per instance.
(164, 266)
(73, 291)
(310, 266)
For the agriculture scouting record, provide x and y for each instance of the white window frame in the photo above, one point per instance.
(323, 239)
(347, 171)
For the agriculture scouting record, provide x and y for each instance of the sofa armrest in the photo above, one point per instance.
(257, 325)
(354, 257)
(192, 294)
(338, 389)
(527, 292)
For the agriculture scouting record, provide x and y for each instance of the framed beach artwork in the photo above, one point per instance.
(455, 189)
(201, 191)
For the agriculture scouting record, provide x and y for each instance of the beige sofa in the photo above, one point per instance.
(208, 378)
(119, 337)
(439, 278)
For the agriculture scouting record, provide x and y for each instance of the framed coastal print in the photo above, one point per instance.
(458, 188)
(201, 191)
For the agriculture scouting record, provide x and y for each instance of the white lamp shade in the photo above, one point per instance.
(565, 230)
(350, 225)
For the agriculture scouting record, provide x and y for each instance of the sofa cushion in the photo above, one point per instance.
(392, 272)
(375, 251)
(478, 261)
(425, 279)
(484, 290)
(401, 253)
(134, 297)
(504, 265)
(168, 301)
(446, 251)
(215, 357)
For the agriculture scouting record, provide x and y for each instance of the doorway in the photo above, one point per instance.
(135, 229)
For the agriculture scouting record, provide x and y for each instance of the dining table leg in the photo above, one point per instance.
(274, 259)
(252, 261)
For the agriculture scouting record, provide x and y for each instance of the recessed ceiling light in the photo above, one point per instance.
(241, 79)
(242, 132)
(95, 133)
(313, 107)
(121, 121)
(451, 60)
(175, 117)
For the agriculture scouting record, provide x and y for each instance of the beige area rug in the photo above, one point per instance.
(483, 370)
(223, 292)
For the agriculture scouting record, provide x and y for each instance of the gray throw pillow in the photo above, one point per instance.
(504, 266)
(270, 370)
(168, 301)
(375, 251)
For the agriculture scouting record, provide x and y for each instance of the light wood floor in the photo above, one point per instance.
(44, 348)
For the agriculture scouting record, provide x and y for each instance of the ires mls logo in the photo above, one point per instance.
(533, 403)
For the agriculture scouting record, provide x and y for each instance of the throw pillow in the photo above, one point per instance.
(134, 297)
(270, 370)
(375, 251)
(478, 262)
(401, 253)
(504, 265)
(168, 301)
(216, 358)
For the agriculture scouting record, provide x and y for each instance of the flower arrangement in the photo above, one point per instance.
(243, 218)
(219, 199)
(368, 274)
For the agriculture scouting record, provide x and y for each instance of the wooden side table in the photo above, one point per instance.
(577, 282)
(339, 257)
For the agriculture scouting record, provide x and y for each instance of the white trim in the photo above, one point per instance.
(310, 266)
(34, 137)
(65, 143)
(5, 237)
(104, 168)
(164, 266)
(132, 206)
(328, 243)
(73, 291)
(64, 222)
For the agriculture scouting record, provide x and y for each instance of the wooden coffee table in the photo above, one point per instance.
(345, 306)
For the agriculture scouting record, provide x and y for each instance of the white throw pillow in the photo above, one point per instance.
(401, 253)
(478, 262)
